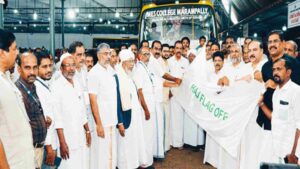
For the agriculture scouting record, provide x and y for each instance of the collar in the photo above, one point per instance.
(30, 87)
(286, 86)
(43, 81)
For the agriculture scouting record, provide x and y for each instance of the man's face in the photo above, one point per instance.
(191, 57)
(246, 58)
(145, 55)
(113, 60)
(29, 68)
(45, 69)
(68, 68)
(104, 55)
(280, 73)
(213, 49)
(202, 42)
(229, 42)
(134, 49)
(145, 44)
(275, 45)
(255, 53)
(218, 63)
(89, 62)
(172, 52)
(185, 44)
(156, 50)
(235, 54)
(290, 50)
(11, 55)
(208, 52)
(79, 56)
(178, 49)
(128, 66)
(165, 52)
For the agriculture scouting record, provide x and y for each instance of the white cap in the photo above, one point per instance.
(63, 57)
(193, 51)
(126, 55)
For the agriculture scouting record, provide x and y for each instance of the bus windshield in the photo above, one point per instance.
(171, 23)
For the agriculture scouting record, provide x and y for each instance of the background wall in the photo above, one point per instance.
(26, 40)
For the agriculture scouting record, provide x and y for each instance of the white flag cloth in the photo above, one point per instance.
(223, 112)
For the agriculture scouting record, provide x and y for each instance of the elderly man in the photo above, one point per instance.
(27, 67)
(291, 48)
(103, 96)
(144, 81)
(70, 121)
(285, 118)
(130, 135)
(15, 131)
(45, 68)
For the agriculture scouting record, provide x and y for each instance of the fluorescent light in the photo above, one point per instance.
(34, 25)
(108, 22)
(20, 22)
(100, 20)
(117, 15)
(177, 2)
(15, 28)
(49, 19)
(123, 28)
(90, 16)
(117, 26)
(77, 10)
(48, 28)
(74, 25)
(255, 35)
(84, 28)
(284, 28)
(71, 14)
(16, 11)
(131, 14)
(35, 16)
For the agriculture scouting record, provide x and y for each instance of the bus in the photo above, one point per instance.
(171, 21)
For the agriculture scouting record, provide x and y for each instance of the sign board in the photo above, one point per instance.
(294, 14)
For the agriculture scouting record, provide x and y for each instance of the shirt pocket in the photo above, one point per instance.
(283, 113)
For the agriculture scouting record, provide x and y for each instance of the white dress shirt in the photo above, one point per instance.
(102, 83)
(235, 73)
(155, 68)
(71, 113)
(285, 118)
(48, 105)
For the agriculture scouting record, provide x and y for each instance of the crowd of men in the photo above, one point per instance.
(123, 112)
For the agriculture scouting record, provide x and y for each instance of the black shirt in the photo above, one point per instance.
(267, 74)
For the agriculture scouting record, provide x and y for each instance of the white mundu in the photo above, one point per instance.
(158, 72)
(285, 120)
(177, 69)
(71, 117)
(144, 80)
(101, 82)
(131, 148)
(15, 131)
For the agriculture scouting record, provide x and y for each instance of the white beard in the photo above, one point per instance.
(129, 73)
(235, 60)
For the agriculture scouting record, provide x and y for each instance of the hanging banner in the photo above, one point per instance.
(294, 14)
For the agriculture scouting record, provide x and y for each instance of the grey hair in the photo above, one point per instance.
(141, 49)
(294, 44)
(102, 46)
(238, 46)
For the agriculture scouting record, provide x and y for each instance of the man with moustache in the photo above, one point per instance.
(130, 138)
(70, 120)
(27, 68)
(114, 59)
(171, 51)
(103, 97)
(229, 40)
(177, 66)
(276, 45)
(144, 81)
(45, 68)
(89, 60)
(77, 50)
(186, 45)
(285, 119)
(246, 54)
(133, 47)
(159, 75)
(291, 48)
(214, 48)
(15, 131)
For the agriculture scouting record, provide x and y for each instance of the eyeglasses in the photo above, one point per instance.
(69, 65)
(146, 54)
(274, 41)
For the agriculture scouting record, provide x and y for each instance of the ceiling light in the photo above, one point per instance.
(100, 20)
(123, 28)
(48, 28)
(90, 16)
(71, 14)
(117, 15)
(284, 28)
(131, 14)
(255, 35)
(84, 28)
(177, 2)
(77, 10)
(16, 11)
(35, 16)
(20, 22)
(15, 28)
(49, 19)
(74, 25)
(117, 26)
(108, 22)
(34, 25)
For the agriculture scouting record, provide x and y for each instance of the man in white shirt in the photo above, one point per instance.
(103, 97)
(144, 81)
(285, 117)
(45, 68)
(131, 147)
(15, 130)
(70, 120)
(77, 50)
(177, 65)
